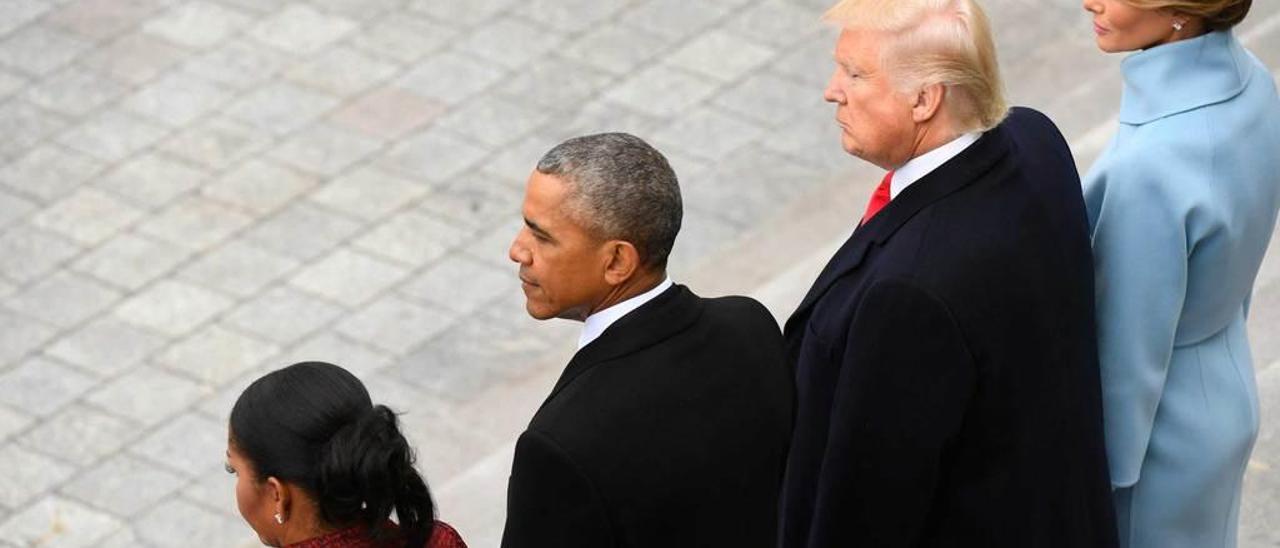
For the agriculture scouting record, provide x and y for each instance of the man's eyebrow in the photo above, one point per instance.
(534, 227)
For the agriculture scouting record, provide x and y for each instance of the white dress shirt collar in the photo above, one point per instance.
(916, 168)
(600, 321)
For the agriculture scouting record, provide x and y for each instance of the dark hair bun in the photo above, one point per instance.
(366, 470)
(1230, 15)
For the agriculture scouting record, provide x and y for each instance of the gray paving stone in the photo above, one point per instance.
(616, 48)
(494, 122)
(510, 42)
(360, 359)
(24, 125)
(348, 277)
(702, 233)
(403, 38)
(216, 355)
(721, 55)
(776, 22)
(809, 62)
(468, 357)
(13, 208)
(369, 193)
(460, 284)
(358, 9)
(48, 172)
(511, 165)
(31, 252)
(195, 222)
(172, 307)
(80, 435)
(130, 261)
(152, 179)
(259, 186)
(342, 71)
(238, 268)
(217, 406)
(38, 49)
(431, 155)
(125, 485)
(553, 82)
(177, 99)
(707, 133)
(10, 83)
(179, 519)
(88, 216)
(113, 135)
(197, 24)
(395, 324)
(661, 91)
(124, 537)
(134, 59)
(20, 12)
(324, 150)
(413, 238)
(303, 231)
(477, 202)
(451, 77)
(166, 395)
(215, 492)
(259, 8)
(284, 314)
(74, 91)
(493, 246)
(570, 16)
(281, 108)
(760, 180)
(12, 422)
(673, 19)
(240, 64)
(461, 13)
(100, 19)
(387, 113)
(190, 443)
(301, 29)
(64, 299)
(217, 143)
(27, 475)
(56, 521)
(41, 387)
(106, 347)
(814, 138)
(769, 99)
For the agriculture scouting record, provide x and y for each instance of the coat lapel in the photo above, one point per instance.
(966, 167)
(666, 315)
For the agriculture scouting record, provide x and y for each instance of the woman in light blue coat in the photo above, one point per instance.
(1182, 205)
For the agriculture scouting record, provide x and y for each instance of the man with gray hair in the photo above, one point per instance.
(669, 427)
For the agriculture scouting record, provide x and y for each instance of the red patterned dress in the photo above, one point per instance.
(443, 536)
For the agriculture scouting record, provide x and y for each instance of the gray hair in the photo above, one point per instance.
(620, 188)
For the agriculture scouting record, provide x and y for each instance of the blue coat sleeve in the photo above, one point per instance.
(1140, 248)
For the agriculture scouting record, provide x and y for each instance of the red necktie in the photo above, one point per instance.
(879, 199)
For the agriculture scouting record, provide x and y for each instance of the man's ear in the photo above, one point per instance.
(623, 262)
(928, 102)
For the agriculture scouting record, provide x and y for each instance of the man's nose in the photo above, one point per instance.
(518, 252)
(832, 93)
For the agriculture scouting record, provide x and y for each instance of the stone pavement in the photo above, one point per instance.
(195, 192)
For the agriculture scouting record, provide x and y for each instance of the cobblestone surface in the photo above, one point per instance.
(195, 192)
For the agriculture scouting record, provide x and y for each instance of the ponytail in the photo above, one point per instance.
(366, 471)
(313, 424)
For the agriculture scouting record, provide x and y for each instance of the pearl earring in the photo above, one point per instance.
(1177, 25)
(279, 519)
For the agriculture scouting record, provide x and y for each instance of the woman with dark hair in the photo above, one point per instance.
(317, 464)
(1182, 205)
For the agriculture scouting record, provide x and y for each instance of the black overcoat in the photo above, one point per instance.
(946, 364)
(670, 429)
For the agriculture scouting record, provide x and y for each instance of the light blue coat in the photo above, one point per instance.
(1182, 205)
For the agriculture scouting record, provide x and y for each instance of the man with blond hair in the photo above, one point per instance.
(945, 359)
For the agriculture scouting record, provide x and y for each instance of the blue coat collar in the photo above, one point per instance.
(1182, 76)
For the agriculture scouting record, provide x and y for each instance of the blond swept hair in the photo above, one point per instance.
(928, 42)
(1217, 14)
